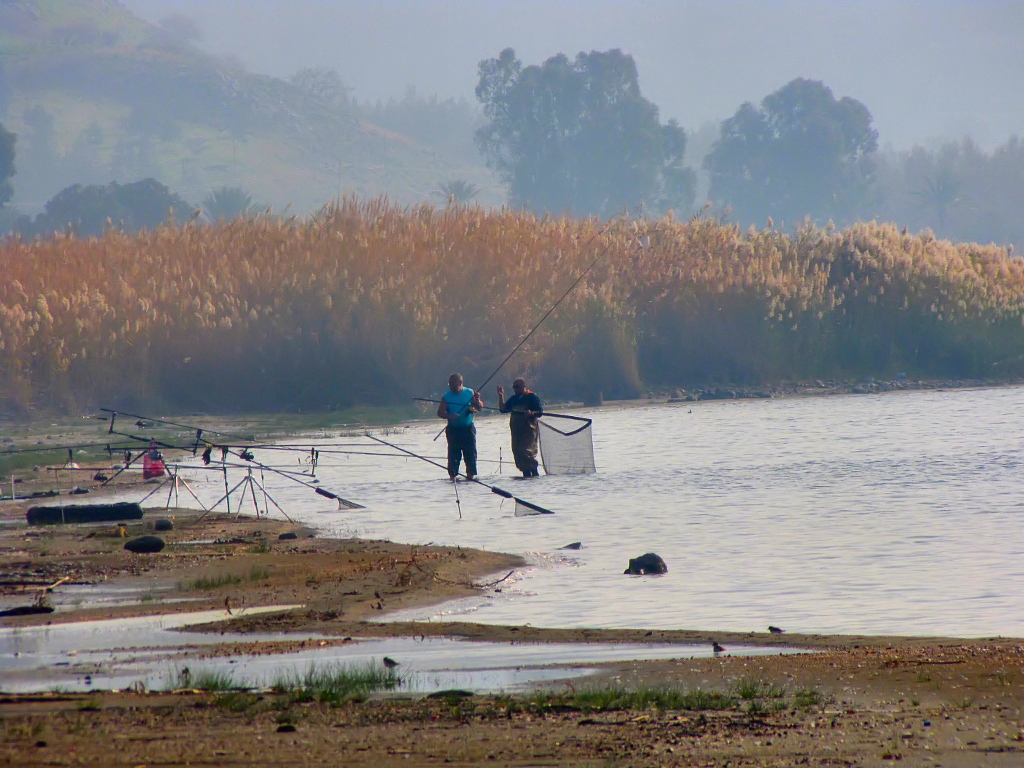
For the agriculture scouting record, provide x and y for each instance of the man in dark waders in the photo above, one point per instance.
(525, 408)
(458, 405)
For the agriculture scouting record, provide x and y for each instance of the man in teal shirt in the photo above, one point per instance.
(458, 405)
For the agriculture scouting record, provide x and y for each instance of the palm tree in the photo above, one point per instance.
(940, 193)
(456, 191)
(229, 203)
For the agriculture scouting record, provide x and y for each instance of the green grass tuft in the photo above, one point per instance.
(236, 701)
(206, 680)
(613, 698)
(206, 583)
(752, 688)
(337, 683)
(807, 699)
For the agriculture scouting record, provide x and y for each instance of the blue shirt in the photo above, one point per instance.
(459, 403)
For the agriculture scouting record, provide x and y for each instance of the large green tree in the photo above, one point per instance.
(800, 153)
(89, 210)
(6, 165)
(579, 136)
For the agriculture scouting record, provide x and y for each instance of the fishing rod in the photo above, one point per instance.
(110, 449)
(199, 431)
(493, 489)
(517, 410)
(249, 458)
(545, 317)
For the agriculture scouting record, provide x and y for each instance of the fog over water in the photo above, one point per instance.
(926, 70)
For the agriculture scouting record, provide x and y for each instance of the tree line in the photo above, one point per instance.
(577, 136)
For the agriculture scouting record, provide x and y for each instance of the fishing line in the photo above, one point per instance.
(108, 446)
(545, 317)
(493, 489)
(290, 475)
(518, 410)
(247, 438)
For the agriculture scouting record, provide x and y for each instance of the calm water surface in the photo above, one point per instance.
(884, 514)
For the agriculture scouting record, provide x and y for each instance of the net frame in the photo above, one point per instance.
(583, 448)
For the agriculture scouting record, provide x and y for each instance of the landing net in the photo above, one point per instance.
(566, 444)
(524, 508)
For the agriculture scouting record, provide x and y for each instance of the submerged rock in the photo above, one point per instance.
(646, 565)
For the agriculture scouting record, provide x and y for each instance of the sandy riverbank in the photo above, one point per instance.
(216, 560)
(957, 705)
(857, 701)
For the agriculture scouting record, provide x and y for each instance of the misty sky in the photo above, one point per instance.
(926, 70)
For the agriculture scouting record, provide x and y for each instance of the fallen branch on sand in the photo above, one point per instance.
(472, 584)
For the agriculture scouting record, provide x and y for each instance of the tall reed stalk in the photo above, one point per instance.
(369, 302)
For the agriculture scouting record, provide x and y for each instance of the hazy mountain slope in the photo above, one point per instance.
(96, 94)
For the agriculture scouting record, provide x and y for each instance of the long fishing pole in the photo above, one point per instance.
(283, 473)
(545, 317)
(493, 489)
(247, 438)
(13, 451)
(516, 410)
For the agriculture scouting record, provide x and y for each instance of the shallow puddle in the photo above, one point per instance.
(149, 653)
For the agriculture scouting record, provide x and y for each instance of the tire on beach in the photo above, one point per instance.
(145, 545)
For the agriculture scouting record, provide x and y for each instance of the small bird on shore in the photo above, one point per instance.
(390, 663)
(716, 647)
(775, 630)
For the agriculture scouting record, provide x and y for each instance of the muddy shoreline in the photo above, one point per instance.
(860, 700)
(212, 561)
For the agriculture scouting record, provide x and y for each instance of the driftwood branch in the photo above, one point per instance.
(472, 584)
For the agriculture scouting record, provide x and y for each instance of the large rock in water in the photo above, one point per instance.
(145, 544)
(646, 565)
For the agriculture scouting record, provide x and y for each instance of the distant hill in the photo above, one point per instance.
(96, 95)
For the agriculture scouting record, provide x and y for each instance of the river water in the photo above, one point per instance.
(897, 513)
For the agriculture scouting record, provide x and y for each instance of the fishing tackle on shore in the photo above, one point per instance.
(245, 454)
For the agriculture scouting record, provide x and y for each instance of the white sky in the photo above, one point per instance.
(926, 70)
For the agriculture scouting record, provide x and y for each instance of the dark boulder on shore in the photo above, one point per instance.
(163, 524)
(646, 565)
(145, 545)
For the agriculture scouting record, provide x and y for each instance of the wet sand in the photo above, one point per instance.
(217, 561)
(855, 701)
(957, 705)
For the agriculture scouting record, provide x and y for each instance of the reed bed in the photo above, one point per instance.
(369, 302)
